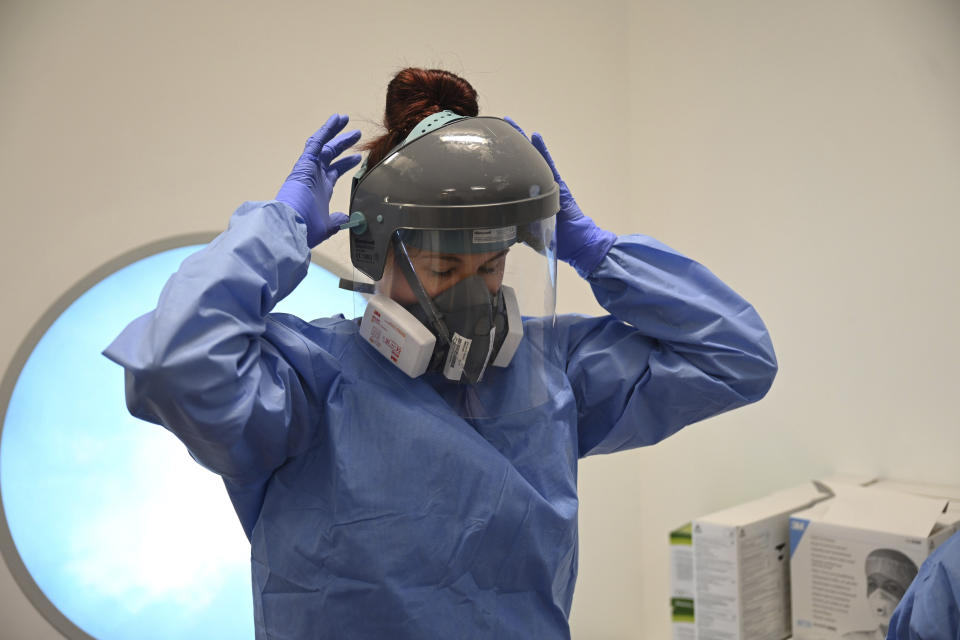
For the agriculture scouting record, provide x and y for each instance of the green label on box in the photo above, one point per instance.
(682, 609)
(682, 535)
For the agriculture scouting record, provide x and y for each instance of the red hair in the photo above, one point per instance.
(414, 94)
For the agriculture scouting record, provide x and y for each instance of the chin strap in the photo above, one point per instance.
(402, 259)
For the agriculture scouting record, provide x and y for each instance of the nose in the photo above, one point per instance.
(492, 282)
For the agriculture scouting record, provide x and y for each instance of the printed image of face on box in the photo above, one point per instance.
(889, 573)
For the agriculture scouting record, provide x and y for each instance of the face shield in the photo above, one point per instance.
(455, 229)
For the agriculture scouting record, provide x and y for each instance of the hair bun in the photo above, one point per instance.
(415, 93)
(412, 95)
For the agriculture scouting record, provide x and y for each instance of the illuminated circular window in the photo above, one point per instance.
(111, 529)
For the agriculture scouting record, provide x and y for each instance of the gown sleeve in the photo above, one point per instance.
(236, 385)
(931, 606)
(678, 346)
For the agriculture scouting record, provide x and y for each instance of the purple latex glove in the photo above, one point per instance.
(580, 242)
(309, 186)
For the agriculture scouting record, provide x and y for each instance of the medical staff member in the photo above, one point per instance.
(437, 500)
(930, 609)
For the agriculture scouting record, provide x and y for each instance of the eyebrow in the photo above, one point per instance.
(455, 258)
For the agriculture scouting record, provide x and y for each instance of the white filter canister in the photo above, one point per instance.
(397, 335)
(514, 328)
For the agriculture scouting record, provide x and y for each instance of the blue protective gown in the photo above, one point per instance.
(930, 609)
(374, 509)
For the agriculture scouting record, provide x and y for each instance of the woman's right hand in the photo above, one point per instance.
(309, 186)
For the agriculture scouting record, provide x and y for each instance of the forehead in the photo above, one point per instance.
(456, 258)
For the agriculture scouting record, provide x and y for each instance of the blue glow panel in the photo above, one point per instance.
(117, 525)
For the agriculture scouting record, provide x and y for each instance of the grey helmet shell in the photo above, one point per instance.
(464, 173)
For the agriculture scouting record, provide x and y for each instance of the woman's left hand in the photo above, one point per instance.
(580, 242)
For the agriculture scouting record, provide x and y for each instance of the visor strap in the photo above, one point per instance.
(433, 314)
(359, 287)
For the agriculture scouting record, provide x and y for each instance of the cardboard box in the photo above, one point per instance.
(741, 566)
(950, 492)
(950, 518)
(835, 545)
(681, 583)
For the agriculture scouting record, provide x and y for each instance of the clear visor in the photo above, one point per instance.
(511, 363)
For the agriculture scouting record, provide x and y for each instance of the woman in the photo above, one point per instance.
(380, 504)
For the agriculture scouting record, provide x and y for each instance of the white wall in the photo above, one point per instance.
(807, 152)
